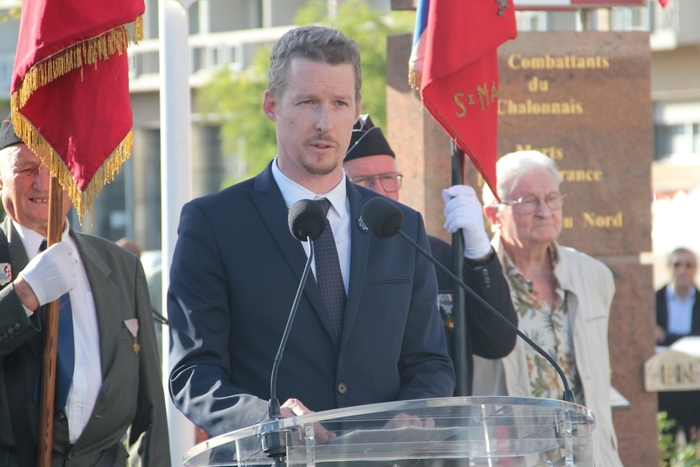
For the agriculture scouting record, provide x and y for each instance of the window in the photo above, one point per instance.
(676, 140)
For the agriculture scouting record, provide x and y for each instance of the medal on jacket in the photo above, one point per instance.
(133, 326)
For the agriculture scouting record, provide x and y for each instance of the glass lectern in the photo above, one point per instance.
(455, 432)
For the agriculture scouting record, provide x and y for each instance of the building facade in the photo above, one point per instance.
(227, 33)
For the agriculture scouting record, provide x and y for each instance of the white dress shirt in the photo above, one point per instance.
(680, 311)
(338, 215)
(87, 373)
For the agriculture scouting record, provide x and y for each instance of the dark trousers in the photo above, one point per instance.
(684, 408)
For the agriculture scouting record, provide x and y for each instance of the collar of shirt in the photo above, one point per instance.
(32, 240)
(293, 192)
(671, 294)
(338, 215)
(513, 271)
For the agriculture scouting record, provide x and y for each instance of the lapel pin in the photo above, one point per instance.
(361, 224)
(5, 273)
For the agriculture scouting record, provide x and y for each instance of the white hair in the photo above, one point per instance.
(511, 167)
(4, 152)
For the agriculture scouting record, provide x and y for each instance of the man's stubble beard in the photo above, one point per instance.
(318, 171)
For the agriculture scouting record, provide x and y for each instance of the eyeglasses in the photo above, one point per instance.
(530, 203)
(390, 181)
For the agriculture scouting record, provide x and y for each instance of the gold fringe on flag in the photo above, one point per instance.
(82, 200)
(414, 79)
(87, 52)
(137, 35)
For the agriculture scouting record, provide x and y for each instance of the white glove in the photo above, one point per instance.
(463, 211)
(52, 272)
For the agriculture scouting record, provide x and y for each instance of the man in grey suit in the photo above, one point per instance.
(367, 330)
(111, 382)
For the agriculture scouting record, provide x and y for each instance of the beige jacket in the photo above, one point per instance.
(590, 289)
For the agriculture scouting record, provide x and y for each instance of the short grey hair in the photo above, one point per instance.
(678, 251)
(318, 43)
(511, 167)
(4, 153)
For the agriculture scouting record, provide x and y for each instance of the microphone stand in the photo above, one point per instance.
(568, 395)
(274, 443)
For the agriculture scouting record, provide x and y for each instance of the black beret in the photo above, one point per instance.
(367, 140)
(8, 137)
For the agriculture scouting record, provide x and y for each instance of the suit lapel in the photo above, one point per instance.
(359, 252)
(104, 294)
(270, 204)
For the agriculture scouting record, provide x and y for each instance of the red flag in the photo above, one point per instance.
(455, 66)
(70, 89)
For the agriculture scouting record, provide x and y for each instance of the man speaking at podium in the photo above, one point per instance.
(368, 328)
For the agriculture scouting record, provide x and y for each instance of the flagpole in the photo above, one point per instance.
(175, 176)
(48, 366)
(459, 343)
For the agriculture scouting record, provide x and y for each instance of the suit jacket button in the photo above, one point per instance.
(17, 326)
(342, 388)
(11, 331)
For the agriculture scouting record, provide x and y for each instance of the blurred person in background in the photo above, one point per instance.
(678, 315)
(129, 245)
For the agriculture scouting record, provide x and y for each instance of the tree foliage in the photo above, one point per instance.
(671, 454)
(12, 13)
(235, 98)
(236, 101)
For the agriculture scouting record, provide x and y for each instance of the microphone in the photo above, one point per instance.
(306, 219)
(307, 222)
(385, 219)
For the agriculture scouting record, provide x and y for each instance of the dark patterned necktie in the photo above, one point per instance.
(329, 277)
(65, 360)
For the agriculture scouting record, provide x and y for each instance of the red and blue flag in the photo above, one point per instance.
(454, 65)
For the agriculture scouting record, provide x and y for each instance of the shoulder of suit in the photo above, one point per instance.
(578, 260)
(223, 196)
(367, 193)
(572, 254)
(105, 247)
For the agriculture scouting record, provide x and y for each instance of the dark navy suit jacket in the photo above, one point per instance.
(682, 406)
(662, 316)
(234, 275)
